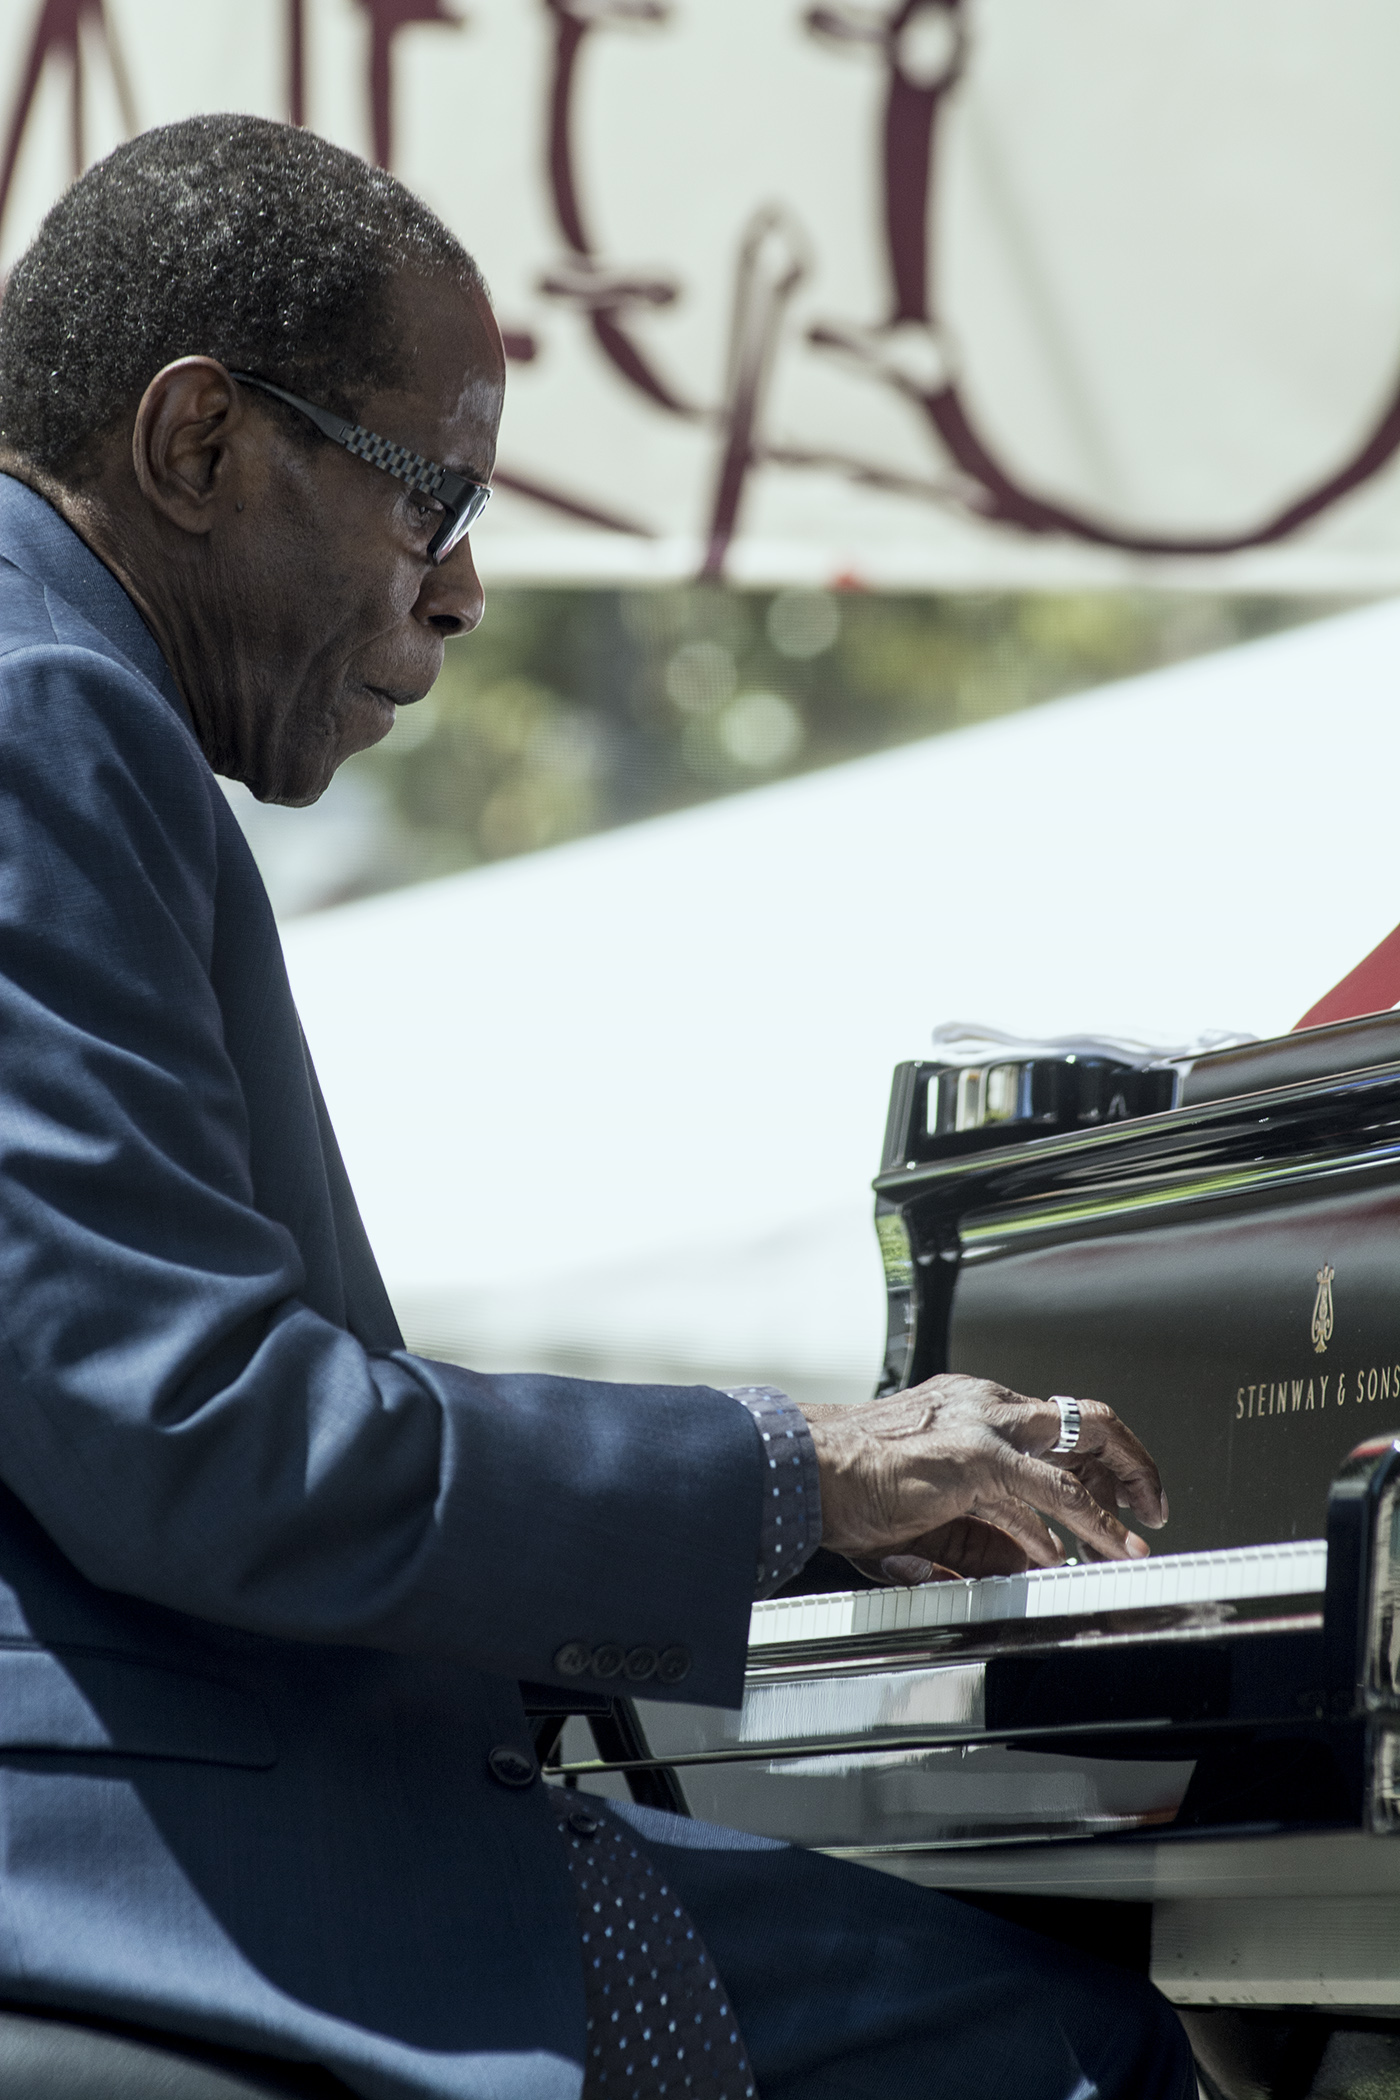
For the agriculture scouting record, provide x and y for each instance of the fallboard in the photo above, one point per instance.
(1250, 1342)
(1225, 1273)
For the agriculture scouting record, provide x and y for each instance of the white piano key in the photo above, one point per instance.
(1296, 1567)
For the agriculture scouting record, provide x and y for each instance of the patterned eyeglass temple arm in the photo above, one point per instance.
(424, 475)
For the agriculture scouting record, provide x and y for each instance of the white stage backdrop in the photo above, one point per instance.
(936, 293)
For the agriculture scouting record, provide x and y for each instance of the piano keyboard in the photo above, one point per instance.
(1298, 1568)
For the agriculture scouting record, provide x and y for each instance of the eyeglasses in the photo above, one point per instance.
(462, 501)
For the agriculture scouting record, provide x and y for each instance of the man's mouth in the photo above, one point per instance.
(403, 698)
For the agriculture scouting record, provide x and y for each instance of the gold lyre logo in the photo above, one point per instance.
(1322, 1309)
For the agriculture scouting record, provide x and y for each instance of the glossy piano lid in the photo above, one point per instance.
(1290, 1060)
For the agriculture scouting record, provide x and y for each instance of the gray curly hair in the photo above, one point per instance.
(225, 236)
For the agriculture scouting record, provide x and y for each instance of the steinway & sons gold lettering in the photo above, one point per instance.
(1294, 1396)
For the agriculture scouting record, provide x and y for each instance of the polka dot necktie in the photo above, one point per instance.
(659, 2017)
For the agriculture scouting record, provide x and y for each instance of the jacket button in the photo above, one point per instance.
(584, 1822)
(512, 1767)
(573, 1658)
(673, 1665)
(608, 1659)
(640, 1664)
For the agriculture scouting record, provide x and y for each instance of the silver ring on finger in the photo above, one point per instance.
(1069, 1422)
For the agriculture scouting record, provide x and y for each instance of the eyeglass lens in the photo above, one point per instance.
(458, 523)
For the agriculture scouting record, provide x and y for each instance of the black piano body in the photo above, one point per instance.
(1206, 1745)
(1213, 1247)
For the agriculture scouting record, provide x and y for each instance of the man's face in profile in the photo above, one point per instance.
(321, 613)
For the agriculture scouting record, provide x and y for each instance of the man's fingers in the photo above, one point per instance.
(973, 1547)
(970, 1547)
(956, 1446)
(1004, 1538)
(905, 1570)
(1107, 1442)
(1104, 1489)
(1065, 1498)
(1014, 1519)
(1112, 1445)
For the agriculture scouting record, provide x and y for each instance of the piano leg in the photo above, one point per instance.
(619, 1737)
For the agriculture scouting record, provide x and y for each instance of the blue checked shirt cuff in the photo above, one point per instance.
(791, 1527)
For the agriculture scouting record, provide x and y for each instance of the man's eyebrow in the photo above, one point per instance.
(468, 473)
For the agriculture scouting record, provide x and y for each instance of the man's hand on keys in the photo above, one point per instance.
(948, 1479)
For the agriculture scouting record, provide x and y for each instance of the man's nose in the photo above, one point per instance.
(452, 599)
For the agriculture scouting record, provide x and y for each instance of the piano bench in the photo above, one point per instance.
(49, 2056)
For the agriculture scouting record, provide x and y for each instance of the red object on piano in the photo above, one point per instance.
(1371, 988)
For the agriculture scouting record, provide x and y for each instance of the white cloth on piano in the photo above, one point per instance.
(973, 1043)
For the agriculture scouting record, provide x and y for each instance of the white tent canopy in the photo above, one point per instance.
(619, 1103)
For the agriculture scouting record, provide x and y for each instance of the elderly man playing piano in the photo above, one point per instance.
(269, 1583)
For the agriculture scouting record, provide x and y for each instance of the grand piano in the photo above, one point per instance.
(1192, 1762)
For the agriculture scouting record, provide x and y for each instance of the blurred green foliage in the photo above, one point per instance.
(570, 711)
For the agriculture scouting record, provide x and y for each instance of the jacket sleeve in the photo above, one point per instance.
(173, 1413)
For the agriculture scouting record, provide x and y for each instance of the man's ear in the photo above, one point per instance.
(189, 415)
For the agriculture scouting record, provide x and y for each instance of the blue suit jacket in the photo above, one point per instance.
(267, 1581)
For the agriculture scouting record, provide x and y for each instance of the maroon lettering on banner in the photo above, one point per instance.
(924, 45)
(584, 509)
(608, 296)
(602, 292)
(58, 33)
(924, 48)
(296, 61)
(768, 268)
(772, 263)
(386, 19)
